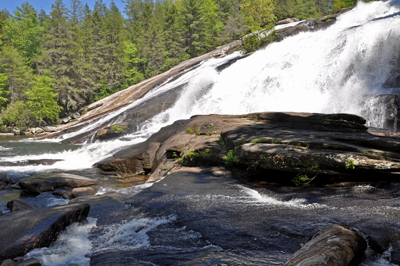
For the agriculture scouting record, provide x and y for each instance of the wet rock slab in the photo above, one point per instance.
(305, 143)
(333, 246)
(37, 184)
(25, 230)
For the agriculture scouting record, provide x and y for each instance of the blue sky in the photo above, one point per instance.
(11, 5)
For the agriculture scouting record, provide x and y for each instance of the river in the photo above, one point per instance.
(226, 221)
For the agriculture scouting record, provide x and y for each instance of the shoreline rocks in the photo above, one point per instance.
(24, 230)
(35, 185)
(335, 246)
(297, 143)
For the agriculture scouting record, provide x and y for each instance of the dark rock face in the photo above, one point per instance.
(25, 230)
(36, 185)
(334, 144)
(333, 246)
(17, 205)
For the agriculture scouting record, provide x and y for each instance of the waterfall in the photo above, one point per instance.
(336, 70)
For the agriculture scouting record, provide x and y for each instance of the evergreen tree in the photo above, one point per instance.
(201, 25)
(24, 33)
(59, 57)
(3, 91)
(173, 35)
(18, 74)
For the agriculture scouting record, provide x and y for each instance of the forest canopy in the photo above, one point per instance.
(54, 64)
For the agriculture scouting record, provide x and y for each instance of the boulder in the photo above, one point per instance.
(37, 184)
(65, 120)
(37, 130)
(6, 134)
(25, 230)
(50, 129)
(285, 21)
(9, 262)
(307, 25)
(30, 262)
(75, 115)
(83, 192)
(17, 205)
(6, 180)
(333, 246)
(16, 131)
(104, 134)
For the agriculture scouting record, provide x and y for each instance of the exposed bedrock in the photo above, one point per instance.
(24, 230)
(34, 185)
(307, 143)
(333, 246)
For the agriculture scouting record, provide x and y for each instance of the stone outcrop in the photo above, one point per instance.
(304, 26)
(305, 143)
(113, 131)
(17, 205)
(333, 246)
(35, 185)
(287, 21)
(83, 192)
(334, 16)
(25, 230)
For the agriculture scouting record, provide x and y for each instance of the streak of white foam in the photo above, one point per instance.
(255, 197)
(71, 247)
(128, 235)
(131, 191)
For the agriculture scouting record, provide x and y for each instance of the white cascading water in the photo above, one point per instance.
(336, 70)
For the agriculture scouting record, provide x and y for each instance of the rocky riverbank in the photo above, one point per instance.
(231, 162)
(302, 147)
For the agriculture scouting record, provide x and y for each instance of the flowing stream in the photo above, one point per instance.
(341, 69)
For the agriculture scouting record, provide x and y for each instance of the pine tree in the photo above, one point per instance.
(18, 74)
(201, 25)
(173, 35)
(59, 57)
(3, 91)
(24, 33)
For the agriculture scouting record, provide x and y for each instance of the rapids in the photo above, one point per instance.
(336, 70)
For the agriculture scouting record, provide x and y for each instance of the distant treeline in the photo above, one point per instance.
(52, 64)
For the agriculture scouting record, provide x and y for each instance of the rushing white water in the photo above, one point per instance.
(71, 246)
(337, 70)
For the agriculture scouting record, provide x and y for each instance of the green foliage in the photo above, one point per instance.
(221, 141)
(121, 129)
(189, 130)
(300, 179)
(264, 140)
(210, 133)
(231, 159)
(350, 165)
(18, 114)
(166, 169)
(199, 158)
(258, 13)
(3, 84)
(40, 99)
(3, 128)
